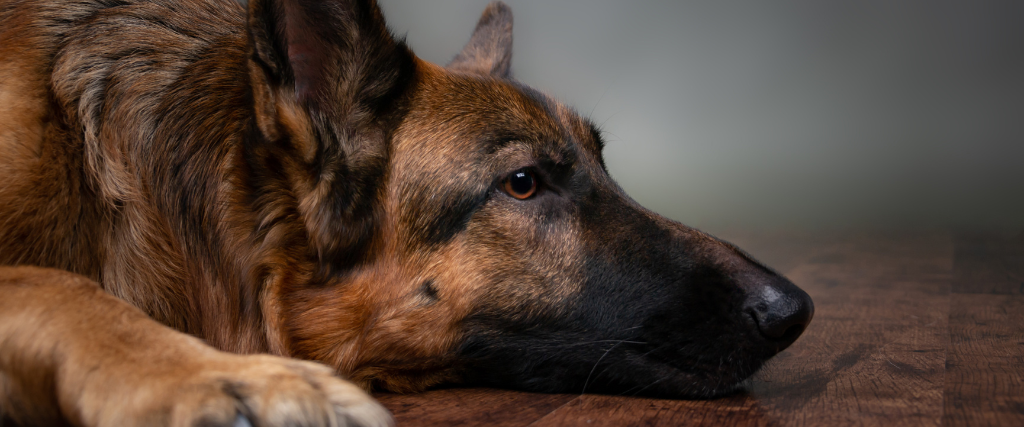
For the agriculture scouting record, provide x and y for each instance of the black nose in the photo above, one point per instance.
(781, 310)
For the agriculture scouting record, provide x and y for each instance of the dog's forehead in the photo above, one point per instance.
(479, 114)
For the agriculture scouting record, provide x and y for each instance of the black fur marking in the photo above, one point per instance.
(428, 290)
(438, 219)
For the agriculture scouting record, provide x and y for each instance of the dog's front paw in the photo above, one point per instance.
(233, 390)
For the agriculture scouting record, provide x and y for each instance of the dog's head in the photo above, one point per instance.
(463, 227)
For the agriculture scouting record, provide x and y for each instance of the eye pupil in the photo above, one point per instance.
(521, 184)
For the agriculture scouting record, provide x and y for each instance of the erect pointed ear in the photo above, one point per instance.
(489, 50)
(327, 81)
(334, 54)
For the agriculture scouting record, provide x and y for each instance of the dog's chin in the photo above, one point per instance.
(660, 379)
(632, 375)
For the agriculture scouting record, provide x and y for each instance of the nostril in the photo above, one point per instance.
(779, 327)
(793, 332)
(784, 317)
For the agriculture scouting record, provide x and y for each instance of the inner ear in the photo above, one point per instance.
(489, 51)
(336, 56)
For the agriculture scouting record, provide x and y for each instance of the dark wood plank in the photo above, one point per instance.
(874, 355)
(985, 367)
(597, 410)
(471, 407)
(987, 264)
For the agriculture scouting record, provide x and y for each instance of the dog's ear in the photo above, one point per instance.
(327, 79)
(335, 54)
(489, 50)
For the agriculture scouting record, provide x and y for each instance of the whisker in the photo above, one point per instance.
(587, 382)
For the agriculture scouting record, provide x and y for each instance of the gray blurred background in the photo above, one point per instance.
(781, 115)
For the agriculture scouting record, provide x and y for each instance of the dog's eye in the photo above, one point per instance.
(521, 184)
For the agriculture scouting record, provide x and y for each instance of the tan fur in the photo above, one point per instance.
(81, 195)
(160, 377)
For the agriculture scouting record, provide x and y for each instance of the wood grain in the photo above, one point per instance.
(985, 362)
(910, 329)
(985, 367)
(471, 406)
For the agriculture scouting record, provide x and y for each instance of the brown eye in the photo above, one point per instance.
(521, 184)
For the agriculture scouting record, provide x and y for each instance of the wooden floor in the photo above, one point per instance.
(915, 329)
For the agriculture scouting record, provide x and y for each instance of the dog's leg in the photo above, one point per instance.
(70, 353)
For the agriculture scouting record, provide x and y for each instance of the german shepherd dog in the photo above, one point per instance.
(198, 201)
